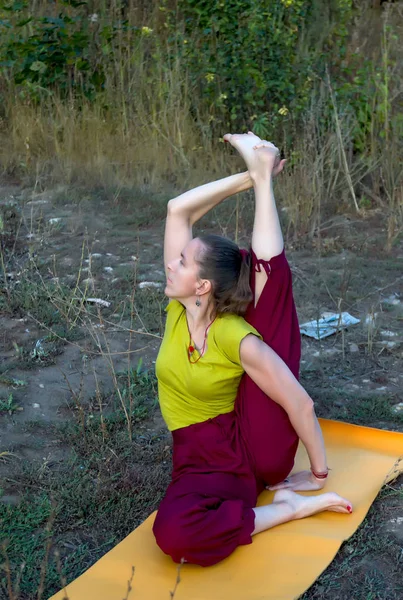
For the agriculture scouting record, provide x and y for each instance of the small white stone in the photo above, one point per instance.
(108, 269)
(354, 348)
(398, 407)
(393, 300)
(96, 255)
(149, 284)
(370, 319)
(98, 301)
(366, 381)
(54, 220)
(327, 351)
(134, 258)
(36, 405)
(90, 282)
(387, 333)
(397, 520)
(41, 386)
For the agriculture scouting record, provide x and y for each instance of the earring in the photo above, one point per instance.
(198, 303)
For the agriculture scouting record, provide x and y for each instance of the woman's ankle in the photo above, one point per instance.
(261, 178)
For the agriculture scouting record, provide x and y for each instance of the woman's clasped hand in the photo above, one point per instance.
(304, 481)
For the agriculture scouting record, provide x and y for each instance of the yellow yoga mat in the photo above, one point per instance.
(281, 563)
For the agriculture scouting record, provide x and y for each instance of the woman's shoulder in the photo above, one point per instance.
(231, 318)
(229, 332)
(174, 306)
(231, 323)
(174, 311)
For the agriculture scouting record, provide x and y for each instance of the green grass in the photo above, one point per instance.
(367, 567)
(108, 481)
(7, 405)
(359, 408)
(104, 487)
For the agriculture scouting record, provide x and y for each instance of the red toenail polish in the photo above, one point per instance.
(349, 509)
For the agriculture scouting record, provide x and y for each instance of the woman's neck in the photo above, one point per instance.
(199, 317)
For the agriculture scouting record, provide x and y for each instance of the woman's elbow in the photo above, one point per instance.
(171, 207)
(308, 406)
(177, 212)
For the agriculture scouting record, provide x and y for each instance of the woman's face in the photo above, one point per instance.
(183, 273)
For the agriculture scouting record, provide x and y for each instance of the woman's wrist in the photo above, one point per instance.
(320, 473)
(245, 181)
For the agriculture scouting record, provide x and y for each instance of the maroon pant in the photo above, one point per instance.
(221, 465)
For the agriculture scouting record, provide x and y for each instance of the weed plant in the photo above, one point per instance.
(118, 97)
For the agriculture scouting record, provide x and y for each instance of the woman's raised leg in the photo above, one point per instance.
(263, 425)
(263, 165)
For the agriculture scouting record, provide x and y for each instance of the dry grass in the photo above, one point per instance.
(147, 128)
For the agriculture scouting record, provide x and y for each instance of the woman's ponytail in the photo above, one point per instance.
(228, 269)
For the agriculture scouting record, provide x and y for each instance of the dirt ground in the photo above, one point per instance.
(60, 372)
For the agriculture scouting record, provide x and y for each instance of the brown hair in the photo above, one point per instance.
(222, 263)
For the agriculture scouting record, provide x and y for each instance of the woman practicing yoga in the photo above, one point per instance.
(227, 375)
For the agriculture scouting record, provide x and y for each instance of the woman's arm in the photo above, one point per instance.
(189, 207)
(275, 379)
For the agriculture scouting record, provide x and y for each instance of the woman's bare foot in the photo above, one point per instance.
(305, 506)
(289, 506)
(262, 158)
(245, 143)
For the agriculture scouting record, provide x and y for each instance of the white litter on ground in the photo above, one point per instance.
(327, 324)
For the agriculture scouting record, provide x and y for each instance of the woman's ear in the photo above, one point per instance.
(204, 287)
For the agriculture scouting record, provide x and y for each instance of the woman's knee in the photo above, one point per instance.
(272, 471)
(171, 536)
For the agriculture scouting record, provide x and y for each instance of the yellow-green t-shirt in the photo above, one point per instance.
(192, 393)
